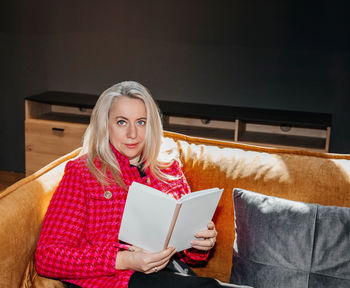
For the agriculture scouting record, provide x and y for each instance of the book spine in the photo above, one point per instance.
(172, 225)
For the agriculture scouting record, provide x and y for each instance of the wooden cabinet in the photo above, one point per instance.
(275, 128)
(264, 134)
(52, 130)
(56, 121)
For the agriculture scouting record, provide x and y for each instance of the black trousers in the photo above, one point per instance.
(161, 278)
(170, 279)
(176, 274)
(70, 285)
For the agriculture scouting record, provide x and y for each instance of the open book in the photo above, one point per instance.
(154, 220)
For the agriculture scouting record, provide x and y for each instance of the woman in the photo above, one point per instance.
(78, 243)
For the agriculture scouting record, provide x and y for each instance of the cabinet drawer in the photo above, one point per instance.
(48, 140)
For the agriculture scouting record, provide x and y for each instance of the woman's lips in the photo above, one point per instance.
(131, 146)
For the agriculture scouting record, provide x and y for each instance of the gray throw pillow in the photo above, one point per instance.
(289, 244)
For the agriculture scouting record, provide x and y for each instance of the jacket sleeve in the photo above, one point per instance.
(59, 253)
(190, 256)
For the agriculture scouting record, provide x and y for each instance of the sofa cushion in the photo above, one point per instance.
(284, 243)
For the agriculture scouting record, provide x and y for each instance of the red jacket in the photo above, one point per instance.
(78, 242)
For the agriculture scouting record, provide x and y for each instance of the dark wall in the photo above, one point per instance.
(265, 54)
(239, 53)
(22, 73)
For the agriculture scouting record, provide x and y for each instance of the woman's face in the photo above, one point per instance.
(127, 126)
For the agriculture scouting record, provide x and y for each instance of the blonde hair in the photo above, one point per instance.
(96, 139)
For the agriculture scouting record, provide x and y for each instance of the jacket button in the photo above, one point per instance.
(148, 181)
(108, 194)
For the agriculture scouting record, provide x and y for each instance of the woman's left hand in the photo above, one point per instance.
(208, 238)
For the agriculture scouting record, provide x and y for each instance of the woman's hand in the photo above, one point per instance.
(142, 260)
(209, 238)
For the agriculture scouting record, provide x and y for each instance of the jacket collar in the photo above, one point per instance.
(122, 159)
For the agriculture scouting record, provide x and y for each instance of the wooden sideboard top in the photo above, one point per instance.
(65, 99)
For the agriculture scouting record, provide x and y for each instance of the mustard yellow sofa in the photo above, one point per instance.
(292, 174)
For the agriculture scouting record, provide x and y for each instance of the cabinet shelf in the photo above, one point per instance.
(215, 133)
(284, 141)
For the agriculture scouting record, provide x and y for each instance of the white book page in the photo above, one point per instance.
(195, 213)
(147, 217)
(197, 194)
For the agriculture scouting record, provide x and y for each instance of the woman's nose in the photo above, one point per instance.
(132, 131)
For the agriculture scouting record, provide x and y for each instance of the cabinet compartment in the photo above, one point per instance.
(284, 136)
(200, 127)
(48, 140)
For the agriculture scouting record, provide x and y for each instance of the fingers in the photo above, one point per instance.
(155, 262)
(160, 256)
(144, 261)
(208, 238)
(156, 256)
(206, 244)
(170, 251)
(211, 230)
(157, 266)
(210, 233)
(211, 225)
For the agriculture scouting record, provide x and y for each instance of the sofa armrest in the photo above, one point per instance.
(22, 209)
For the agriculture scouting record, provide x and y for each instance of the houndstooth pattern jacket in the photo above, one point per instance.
(79, 242)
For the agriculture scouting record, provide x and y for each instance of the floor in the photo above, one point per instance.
(7, 178)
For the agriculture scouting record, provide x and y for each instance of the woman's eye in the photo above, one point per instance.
(121, 122)
(141, 122)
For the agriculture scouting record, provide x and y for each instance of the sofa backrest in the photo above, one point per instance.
(297, 175)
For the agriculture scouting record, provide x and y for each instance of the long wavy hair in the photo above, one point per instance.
(96, 139)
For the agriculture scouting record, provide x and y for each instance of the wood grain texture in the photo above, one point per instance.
(49, 140)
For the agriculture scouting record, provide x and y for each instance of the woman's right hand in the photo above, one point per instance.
(143, 260)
